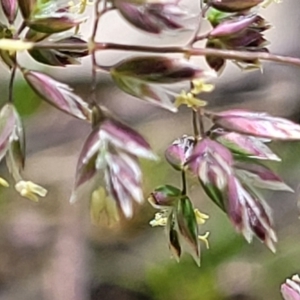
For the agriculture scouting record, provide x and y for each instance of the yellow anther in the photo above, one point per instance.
(160, 219)
(15, 45)
(199, 86)
(189, 100)
(30, 190)
(3, 182)
(266, 3)
(200, 217)
(204, 238)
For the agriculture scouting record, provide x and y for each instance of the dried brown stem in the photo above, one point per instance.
(226, 54)
(11, 83)
(195, 124)
(183, 180)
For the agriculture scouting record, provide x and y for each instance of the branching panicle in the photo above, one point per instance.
(227, 157)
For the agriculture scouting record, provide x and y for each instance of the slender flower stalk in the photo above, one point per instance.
(189, 51)
(92, 50)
